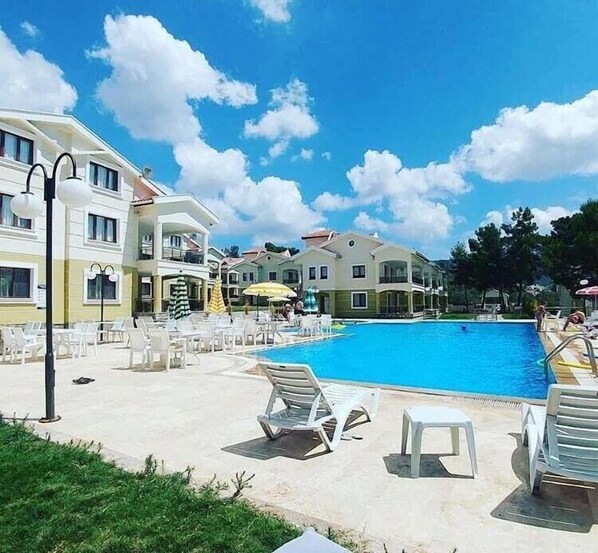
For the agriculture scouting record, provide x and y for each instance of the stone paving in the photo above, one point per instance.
(205, 416)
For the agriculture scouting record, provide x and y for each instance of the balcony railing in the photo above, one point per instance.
(394, 279)
(417, 280)
(233, 280)
(290, 280)
(179, 255)
(418, 308)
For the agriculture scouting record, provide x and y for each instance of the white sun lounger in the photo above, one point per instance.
(309, 405)
(563, 436)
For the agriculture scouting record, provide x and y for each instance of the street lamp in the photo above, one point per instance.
(72, 192)
(102, 272)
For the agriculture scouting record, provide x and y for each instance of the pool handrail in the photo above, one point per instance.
(565, 343)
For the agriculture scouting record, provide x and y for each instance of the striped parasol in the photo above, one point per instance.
(178, 308)
(216, 304)
(310, 304)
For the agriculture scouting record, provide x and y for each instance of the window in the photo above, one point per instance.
(245, 277)
(101, 228)
(176, 241)
(359, 300)
(94, 288)
(358, 271)
(16, 147)
(146, 238)
(7, 217)
(103, 177)
(324, 272)
(251, 277)
(272, 275)
(146, 289)
(15, 283)
(351, 243)
(311, 273)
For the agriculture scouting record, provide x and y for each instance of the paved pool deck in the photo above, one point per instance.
(205, 416)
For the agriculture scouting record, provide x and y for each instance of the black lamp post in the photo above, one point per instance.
(107, 270)
(73, 192)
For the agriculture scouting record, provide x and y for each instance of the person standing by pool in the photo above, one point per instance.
(540, 314)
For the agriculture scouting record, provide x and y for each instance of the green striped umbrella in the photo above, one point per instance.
(178, 308)
(310, 304)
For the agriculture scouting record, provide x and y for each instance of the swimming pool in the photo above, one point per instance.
(485, 358)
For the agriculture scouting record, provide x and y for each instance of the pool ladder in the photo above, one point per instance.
(563, 345)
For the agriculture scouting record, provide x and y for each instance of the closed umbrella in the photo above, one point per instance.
(180, 302)
(310, 303)
(216, 304)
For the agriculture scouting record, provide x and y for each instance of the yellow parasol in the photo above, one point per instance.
(216, 304)
(269, 290)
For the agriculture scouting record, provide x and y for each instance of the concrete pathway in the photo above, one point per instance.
(204, 416)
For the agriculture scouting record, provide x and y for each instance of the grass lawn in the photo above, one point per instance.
(457, 316)
(65, 498)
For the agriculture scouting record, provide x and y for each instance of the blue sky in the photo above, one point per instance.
(287, 115)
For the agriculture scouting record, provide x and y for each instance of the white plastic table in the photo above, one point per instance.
(420, 418)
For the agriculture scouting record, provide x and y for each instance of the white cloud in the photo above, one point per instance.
(206, 170)
(154, 86)
(420, 221)
(304, 154)
(548, 141)
(278, 148)
(276, 11)
(410, 194)
(29, 81)
(494, 217)
(288, 118)
(543, 217)
(29, 29)
(327, 156)
(271, 209)
(333, 202)
(157, 79)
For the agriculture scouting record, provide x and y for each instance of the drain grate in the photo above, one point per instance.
(495, 402)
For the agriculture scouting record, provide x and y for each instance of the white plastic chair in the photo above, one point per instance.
(90, 337)
(308, 328)
(311, 542)
(563, 436)
(326, 324)
(171, 325)
(167, 350)
(237, 332)
(8, 344)
(23, 344)
(138, 344)
(116, 329)
(309, 405)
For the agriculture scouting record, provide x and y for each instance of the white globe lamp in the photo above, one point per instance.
(113, 277)
(91, 275)
(74, 192)
(26, 205)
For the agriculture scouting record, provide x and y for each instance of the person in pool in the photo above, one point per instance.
(576, 318)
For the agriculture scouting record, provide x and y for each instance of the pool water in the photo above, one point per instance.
(483, 358)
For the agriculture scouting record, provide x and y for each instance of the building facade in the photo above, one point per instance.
(130, 224)
(361, 276)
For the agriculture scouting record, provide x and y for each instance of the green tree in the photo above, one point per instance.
(461, 269)
(571, 251)
(232, 251)
(522, 251)
(487, 259)
(270, 247)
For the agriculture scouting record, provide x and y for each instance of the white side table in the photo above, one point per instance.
(436, 417)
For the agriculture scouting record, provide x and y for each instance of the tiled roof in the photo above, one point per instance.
(325, 233)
